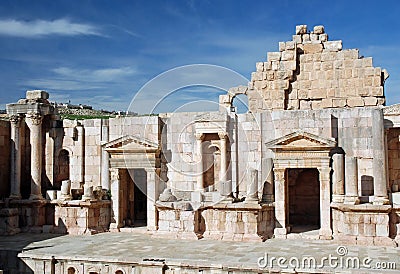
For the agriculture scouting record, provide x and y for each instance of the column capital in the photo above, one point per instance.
(34, 118)
(222, 135)
(16, 120)
(199, 136)
(279, 174)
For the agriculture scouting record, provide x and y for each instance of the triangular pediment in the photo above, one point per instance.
(301, 140)
(130, 143)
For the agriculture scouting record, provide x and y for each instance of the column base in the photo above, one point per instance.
(325, 234)
(15, 196)
(251, 200)
(268, 198)
(381, 200)
(280, 232)
(338, 198)
(351, 200)
(36, 197)
(65, 197)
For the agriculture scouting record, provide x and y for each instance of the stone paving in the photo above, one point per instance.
(141, 248)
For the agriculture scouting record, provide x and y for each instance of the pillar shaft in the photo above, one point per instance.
(105, 159)
(325, 231)
(153, 187)
(252, 188)
(34, 121)
(351, 181)
(200, 171)
(224, 184)
(15, 180)
(268, 187)
(280, 202)
(379, 160)
(338, 178)
(223, 139)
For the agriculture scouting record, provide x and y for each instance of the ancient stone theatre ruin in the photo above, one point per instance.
(317, 153)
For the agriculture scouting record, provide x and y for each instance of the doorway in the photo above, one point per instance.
(134, 197)
(304, 199)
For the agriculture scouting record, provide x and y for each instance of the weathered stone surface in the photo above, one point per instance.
(36, 94)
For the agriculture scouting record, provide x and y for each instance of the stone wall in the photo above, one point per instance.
(81, 217)
(179, 147)
(178, 223)
(92, 162)
(4, 158)
(311, 72)
(238, 222)
(362, 226)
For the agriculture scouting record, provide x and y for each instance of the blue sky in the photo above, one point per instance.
(102, 52)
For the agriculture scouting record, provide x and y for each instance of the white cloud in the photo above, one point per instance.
(40, 28)
(95, 76)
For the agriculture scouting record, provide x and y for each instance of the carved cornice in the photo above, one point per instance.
(392, 110)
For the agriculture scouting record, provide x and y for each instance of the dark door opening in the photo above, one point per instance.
(139, 197)
(134, 197)
(304, 199)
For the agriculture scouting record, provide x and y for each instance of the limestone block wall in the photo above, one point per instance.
(79, 217)
(363, 227)
(238, 224)
(147, 127)
(179, 147)
(250, 148)
(310, 72)
(178, 223)
(352, 128)
(92, 151)
(4, 158)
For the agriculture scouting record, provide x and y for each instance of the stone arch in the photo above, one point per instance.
(71, 270)
(226, 101)
(119, 271)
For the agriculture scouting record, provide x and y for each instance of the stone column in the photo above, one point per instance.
(105, 158)
(280, 203)
(252, 188)
(268, 187)
(325, 232)
(15, 182)
(116, 203)
(200, 171)
(351, 179)
(223, 139)
(379, 160)
(338, 178)
(224, 183)
(153, 183)
(34, 121)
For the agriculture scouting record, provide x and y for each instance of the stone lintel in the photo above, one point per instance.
(19, 108)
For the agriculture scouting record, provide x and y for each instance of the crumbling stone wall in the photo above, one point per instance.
(311, 72)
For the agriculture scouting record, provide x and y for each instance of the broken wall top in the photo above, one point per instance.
(310, 72)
